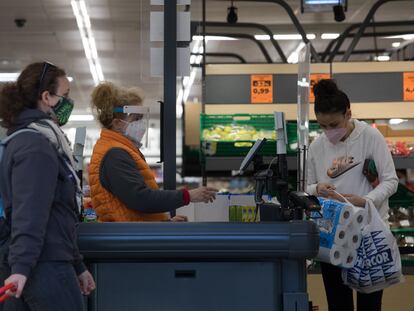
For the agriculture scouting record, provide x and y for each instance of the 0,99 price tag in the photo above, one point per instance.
(408, 86)
(261, 89)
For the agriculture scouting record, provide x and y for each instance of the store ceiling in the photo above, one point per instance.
(121, 30)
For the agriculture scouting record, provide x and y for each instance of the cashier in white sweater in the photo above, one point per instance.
(335, 165)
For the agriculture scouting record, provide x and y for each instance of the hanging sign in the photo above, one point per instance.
(261, 89)
(315, 77)
(408, 86)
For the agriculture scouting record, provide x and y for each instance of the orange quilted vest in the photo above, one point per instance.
(107, 206)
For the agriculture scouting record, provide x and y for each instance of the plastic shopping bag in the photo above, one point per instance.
(378, 263)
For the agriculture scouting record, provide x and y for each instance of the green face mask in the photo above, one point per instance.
(63, 110)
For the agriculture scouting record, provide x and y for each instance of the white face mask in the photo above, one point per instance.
(135, 131)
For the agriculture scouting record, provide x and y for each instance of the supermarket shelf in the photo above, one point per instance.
(224, 164)
(403, 162)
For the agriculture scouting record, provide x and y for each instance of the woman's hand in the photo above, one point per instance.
(325, 190)
(203, 194)
(179, 218)
(19, 280)
(86, 282)
(356, 200)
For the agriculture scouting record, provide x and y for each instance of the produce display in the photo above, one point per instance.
(401, 148)
(236, 133)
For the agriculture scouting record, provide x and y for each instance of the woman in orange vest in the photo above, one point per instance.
(123, 187)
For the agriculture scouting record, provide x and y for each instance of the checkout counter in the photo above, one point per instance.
(199, 266)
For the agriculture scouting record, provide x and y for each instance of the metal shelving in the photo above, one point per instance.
(225, 164)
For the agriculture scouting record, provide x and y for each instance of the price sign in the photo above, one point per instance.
(408, 86)
(261, 89)
(315, 77)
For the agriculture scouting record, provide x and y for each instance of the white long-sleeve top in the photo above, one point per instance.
(363, 143)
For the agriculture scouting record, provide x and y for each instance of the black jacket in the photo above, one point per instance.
(38, 193)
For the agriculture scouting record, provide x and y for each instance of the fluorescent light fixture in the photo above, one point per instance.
(213, 38)
(310, 36)
(294, 56)
(321, 1)
(329, 36)
(81, 117)
(88, 40)
(396, 44)
(408, 36)
(12, 76)
(179, 97)
(199, 59)
(186, 94)
(9, 76)
(396, 121)
(262, 37)
(383, 58)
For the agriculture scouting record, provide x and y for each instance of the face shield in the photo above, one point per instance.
(137, 118)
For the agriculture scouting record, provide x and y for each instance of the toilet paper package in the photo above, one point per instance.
(334, 231)
(333, 255)
(349, 258)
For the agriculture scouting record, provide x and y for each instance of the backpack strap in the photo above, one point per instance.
(5, 141)
(10, 137)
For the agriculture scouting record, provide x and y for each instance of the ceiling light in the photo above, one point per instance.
(70, 79)
(199, 59)
(396, 121)
(262, 37)
(383, 58)
(407, 36)
(8, 76)
(321, 1)
(310, 36)
(232, 14)
(294, 56)
(396, 44)
(213, 38)
(81, 117)
(329, 36)
(88, 41)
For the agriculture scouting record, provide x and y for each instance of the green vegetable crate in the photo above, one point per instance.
(232, 135)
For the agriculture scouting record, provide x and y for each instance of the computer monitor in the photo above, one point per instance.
(254, 150)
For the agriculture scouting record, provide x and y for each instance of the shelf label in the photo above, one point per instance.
(261, 89)
(314, 78)
(408, 86)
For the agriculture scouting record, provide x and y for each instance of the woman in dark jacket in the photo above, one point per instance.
(41, 196)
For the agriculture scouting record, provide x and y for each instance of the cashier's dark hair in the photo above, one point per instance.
(329, 98)
(25, 92)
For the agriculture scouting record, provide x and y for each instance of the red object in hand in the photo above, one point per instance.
(3, 290)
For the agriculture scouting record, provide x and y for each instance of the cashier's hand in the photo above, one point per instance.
(356, 200)
(325, 190)
(203, 194)
(86, 282)
(179, 218)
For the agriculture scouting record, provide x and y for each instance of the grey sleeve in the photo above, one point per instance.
(33, 182)
(119, 175)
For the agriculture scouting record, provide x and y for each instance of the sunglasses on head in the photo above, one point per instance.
(46, 66)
